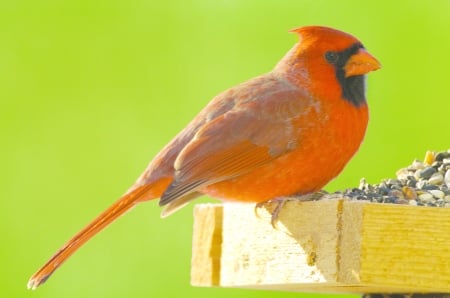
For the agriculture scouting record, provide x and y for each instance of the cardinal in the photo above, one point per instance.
(287, 132)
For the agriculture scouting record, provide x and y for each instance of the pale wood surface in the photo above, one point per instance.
(207, 242)
(323, 246)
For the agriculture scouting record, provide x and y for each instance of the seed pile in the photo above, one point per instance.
(423, 183)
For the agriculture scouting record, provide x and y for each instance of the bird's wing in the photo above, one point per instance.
(256, 131)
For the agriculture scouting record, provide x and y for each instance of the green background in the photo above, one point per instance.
(91, 90)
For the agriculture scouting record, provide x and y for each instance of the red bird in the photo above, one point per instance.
(287, 132)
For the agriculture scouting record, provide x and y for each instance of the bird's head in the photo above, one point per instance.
(330, 61)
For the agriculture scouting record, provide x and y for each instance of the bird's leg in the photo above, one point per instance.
(274, 214)
(280, 202)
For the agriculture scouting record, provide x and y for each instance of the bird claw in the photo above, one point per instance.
(280, 202)
(274, 214)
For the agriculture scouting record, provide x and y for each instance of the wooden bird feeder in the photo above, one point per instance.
(336, 245)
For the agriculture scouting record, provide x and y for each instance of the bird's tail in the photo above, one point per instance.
(125, 203)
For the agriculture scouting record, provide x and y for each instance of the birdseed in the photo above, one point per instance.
(423, 183)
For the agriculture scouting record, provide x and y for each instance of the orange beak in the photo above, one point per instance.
(361, 63)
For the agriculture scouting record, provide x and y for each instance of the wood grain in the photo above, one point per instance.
(323, 246)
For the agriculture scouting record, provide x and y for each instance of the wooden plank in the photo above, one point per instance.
(207, 240)
(406, 246)
(323, 246)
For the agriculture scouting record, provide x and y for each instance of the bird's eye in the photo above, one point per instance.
(332, 57)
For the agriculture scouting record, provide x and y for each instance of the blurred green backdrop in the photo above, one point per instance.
(91, 90)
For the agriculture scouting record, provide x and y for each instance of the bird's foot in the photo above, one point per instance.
(280, 202)
(275, 212)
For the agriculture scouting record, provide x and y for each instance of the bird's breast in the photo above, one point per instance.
(327, 135)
